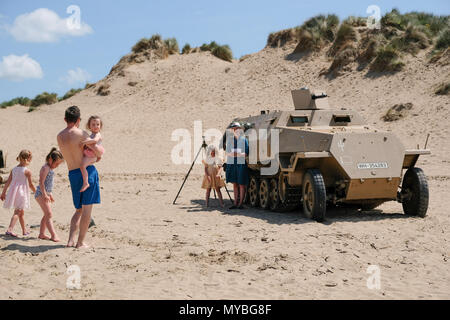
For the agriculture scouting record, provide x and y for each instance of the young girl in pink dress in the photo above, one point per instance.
(212, 178)
(93, 149)
(18, 197)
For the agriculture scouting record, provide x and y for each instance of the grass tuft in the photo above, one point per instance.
(313, 34)
(443, 40)
(281, 38)
(186, 49)
(44, 98)
(103, 89)
(397, 112)
(223, 52)
(70, 94)
(220, 51)
(443, 89)
(356, 21)
(172, 45)
(387, 59)
(412, 40)
(345, 35)
(19, 100)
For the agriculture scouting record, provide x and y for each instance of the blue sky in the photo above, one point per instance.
(110, 28)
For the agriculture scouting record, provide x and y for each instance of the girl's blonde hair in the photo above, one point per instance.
(88, 124)
(209, 158)
(24, 155)
(55, 155)
(210, 149)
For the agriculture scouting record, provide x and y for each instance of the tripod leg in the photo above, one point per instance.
(187, 175)
(228, 194)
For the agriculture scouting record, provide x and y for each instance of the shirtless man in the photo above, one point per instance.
(69, 142)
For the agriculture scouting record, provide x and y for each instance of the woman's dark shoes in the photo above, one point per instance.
(233, 207)
(240, 207)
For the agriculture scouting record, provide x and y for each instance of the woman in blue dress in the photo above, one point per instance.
(237, 169)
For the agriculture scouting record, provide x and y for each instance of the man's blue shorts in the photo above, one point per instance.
(92, 194)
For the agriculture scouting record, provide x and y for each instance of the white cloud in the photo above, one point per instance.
(44, 25)
(19, 68)
(76, 76)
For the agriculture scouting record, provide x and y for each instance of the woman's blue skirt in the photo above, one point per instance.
(237, 173)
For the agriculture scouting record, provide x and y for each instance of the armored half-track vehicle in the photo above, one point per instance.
(329, 157)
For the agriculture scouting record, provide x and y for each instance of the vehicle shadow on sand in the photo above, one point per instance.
(355, 215)
(295, 217)
(268, 216)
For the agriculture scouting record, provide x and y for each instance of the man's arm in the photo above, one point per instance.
(94, 140)
(59, 140)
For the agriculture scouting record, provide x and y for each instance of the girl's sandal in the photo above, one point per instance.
(27, 233)
(11, 234)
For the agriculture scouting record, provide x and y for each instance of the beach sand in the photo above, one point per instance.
(146, 248)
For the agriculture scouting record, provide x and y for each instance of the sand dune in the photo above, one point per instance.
(144, 247)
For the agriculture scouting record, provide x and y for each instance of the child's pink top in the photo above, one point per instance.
(91, 154)
(18, 196)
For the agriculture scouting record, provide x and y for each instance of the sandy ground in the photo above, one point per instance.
(146, 248)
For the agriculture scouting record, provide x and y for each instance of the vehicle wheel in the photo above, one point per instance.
(264, 194)
(274, 195)
(314, 195)
(282, 188)
(253, 191)
(415, 193)
(289, 197)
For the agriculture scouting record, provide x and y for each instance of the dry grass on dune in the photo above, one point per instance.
(383, 50)
(387, 59)
(172, 45)
(348, 44)
(103, 89)
(186, 49)
(344, 48)
(443, 89)
(345, 37)
(281, 38)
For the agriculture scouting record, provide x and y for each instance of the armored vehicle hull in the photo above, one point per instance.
(329, 157)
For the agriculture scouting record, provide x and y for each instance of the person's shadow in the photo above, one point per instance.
(27, 249)
(296, 216)
(31, 249)
(10, 238)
